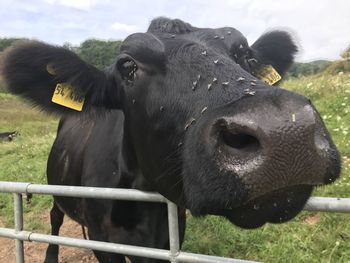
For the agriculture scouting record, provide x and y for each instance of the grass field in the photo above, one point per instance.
(311, 237)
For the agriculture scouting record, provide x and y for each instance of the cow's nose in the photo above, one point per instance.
(239, 137)
(240, 144)
(272, 151)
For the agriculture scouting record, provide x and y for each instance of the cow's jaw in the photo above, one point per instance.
(276, 207)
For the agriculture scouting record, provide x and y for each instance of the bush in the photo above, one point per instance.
(307, 69)
(2, 85)
(338, 66)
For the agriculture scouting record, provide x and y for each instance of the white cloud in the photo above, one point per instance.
(123, 27)
(78, 4)
(322, 27)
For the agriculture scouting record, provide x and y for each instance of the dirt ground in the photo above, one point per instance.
(35, 252)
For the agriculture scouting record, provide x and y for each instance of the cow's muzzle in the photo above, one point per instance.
(274, 146)
(258, 159)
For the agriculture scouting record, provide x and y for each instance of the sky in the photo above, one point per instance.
(321, 27)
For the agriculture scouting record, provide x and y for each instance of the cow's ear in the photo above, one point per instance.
(276, 48)
(57, 80)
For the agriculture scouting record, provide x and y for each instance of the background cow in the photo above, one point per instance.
(181, 112)
(8, 135)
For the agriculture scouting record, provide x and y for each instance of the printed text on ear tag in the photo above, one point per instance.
(67, 96)
(268, 74)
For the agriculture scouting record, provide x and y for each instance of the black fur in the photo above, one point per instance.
(82, 155)
(170, 26)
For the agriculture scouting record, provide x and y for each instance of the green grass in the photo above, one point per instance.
(24, 159)
(310, 237)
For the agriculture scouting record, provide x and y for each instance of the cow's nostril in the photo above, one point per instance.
(240, 141)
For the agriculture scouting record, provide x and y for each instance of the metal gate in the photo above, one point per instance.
(173, 255)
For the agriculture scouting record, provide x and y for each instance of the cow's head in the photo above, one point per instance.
(203, 129)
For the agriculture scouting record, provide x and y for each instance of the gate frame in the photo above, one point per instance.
(174, 254)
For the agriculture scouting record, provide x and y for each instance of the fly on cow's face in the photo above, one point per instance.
(204, 110)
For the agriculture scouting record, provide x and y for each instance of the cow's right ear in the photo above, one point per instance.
(57, 80)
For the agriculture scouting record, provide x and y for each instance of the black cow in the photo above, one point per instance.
(9, 136)
(181, 112)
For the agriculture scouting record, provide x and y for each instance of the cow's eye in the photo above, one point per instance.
(234, 56)
(127, 68)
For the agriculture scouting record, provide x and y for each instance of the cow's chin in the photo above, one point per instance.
(276, 207)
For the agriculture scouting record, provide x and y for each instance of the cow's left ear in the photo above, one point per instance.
(276, 48)
(57, 80)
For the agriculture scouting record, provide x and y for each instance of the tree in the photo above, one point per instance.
(346, 54)
(70, 47)
(6, 42)
(341, 65)
(99, 53)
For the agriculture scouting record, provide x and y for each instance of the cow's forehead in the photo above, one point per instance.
(229, 34)
(226, 41)
(192, 48)
(201, 70)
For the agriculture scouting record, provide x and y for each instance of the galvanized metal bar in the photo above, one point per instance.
(13, 187)
(200, 258)
(173, 231)
(89, 244)
(18, 207)
(82, 191)
(325, 204)
(116, 248)
(13, 234)
(315, 203)
(328, 204)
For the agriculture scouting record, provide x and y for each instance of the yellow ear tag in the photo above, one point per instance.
(67, 96)
(268, 74)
